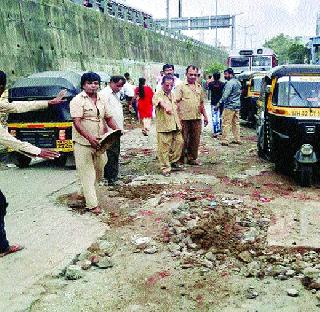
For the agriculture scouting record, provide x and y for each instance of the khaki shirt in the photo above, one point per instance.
(189, 101)
(166, 122)
(92, 116)
(8, 140)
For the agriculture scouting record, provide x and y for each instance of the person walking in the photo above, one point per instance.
(190, 101)
(230, 100)
(144, 96)
(112, 96)
(90, 112)
(169, 136)
(168, 70)
(9, 141)
(215, 88)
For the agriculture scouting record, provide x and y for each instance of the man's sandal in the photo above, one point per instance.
(96, 210)
(11, 249)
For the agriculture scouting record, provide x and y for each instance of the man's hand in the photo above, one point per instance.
(168, 110)
(94, 142)
(205, 120)
(59, 98)
(48, 154)
(217, 107)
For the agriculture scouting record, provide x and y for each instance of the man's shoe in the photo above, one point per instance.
(224, 144)
(236, 142)
(194, 162)
(176, 167)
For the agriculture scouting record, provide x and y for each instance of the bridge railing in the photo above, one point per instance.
(129, 14)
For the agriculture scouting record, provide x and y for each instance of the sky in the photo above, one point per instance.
(258, 20)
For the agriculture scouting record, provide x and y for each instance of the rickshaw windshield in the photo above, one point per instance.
(298, 91)
(256, 84)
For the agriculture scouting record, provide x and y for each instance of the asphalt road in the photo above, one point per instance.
(51, 234)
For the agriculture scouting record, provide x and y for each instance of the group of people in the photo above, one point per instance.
(179, 111)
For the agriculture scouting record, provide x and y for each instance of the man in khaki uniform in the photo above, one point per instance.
(190, 100)
(89, 111)
(169, 137)
(23, 147)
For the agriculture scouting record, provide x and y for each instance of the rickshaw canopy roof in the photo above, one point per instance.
(287, 70)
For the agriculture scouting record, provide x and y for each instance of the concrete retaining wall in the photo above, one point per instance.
(58, 34)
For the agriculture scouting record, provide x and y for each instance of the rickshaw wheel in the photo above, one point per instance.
(61, 161)
(304, 176)
(20, 160)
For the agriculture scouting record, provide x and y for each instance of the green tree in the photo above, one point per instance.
(280, 44)
(289, 50)
(297, 53)
(214, 67)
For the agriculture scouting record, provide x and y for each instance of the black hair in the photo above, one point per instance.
(167, 77)
(3, 78)
(166, 66)
(142, 82)
(192, 67)
(90, 77)
(126, 75)
(210, 76)
(116, 79)
(229, 71)
(216, 76)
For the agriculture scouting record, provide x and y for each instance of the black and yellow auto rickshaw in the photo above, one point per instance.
(289, 120)
(251, 85)
(47, 128)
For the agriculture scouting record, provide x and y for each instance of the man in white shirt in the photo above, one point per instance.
(168, 70)
(112, 93)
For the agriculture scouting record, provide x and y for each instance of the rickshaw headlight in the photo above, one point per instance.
(306, 149)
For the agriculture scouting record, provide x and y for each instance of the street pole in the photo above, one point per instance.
(216, 44)
(180, 9)
(233, 32)
(167, 10)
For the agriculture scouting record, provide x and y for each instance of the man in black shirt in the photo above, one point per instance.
(215, 87)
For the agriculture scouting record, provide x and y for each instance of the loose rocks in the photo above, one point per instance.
(74, 272)
(292, 292)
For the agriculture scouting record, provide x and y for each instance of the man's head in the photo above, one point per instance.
(3, 81)
(192, 74)
(127, 76)
(228, 73)
(116, 83)
(167, 83)
(216, 76)
(90, 82)
(168, 69)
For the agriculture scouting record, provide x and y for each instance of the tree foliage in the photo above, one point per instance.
(289, 50)
(214, 67)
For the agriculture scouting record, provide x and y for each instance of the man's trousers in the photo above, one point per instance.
(90, 166)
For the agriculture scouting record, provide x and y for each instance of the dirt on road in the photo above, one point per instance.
(229, 235)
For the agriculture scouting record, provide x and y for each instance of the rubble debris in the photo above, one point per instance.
(73, 272)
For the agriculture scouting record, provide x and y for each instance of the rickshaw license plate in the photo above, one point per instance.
(306, 113)
(64, 144)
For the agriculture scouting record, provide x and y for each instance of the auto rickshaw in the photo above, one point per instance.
(289, 120)
(251, 85)
(47, 128)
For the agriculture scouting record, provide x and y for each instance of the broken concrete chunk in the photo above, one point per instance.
(74, 272)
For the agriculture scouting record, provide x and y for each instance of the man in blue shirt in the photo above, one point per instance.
(231, 103)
